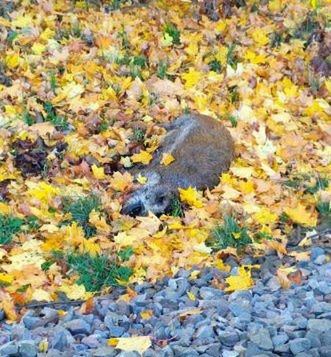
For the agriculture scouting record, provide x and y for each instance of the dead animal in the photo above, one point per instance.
(202, 147)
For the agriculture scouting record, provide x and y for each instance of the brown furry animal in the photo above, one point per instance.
(202, 147)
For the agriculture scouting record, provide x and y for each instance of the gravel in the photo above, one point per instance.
(266, 320)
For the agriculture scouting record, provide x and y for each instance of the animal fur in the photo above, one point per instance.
(202, 147)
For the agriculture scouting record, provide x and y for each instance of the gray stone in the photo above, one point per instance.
(214, 349)
(314, 338)
(228, 338)
(316, 252)
(252, 350)
(240, 308)
(106, 351)
(8, 349)
(208, 293)
(283, 348)
(262, 339)
(31, 322)
(325, 351)
(91, 341)
(227, 353)
(326, 338)
(321, 259)
(280, 339)
(184, 351)
(116, 331)
(128, 354)
(205, 331)
(27, 348)
(319, 324)
(299, 345)
(61, 339)
(78, 326)
(301, 322)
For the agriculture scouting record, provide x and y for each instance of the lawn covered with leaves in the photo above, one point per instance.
(83, 91)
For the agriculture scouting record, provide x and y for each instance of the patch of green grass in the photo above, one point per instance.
(124, 38)
(229, 234)
(97, 272)
(9, 226)
(59, 122)
(231, 57)
(215, 66)
(234, 94)
(125, 254)
(162, 70)
(53, 82)
(172, 30)
(324, 209)
(276, 39)
(233, 120)
(308, 183)
(27, 118)
(11, 36)
(176, 209)
(140, 61)
(80, 210)
(138, 135)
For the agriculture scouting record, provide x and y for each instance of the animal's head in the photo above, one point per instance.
(154, 196)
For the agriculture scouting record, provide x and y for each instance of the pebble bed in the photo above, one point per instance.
(263, 321)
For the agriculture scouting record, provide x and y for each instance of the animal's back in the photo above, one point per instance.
(202, 148)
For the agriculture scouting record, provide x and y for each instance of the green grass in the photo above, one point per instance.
(215, 66)
(176, 209)
(9, 226)
(172, 30)
(125, 254)
(162, 70)
(80, 210)
(97, 272)
(229, 234)
(59, 122)
(309, 183)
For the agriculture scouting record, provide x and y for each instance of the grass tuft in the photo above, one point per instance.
(230, 234)
(9, 226)
(80, 210)
(96, 273)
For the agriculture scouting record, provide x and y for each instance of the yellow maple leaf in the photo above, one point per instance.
(41, 295)
(146, 314)
(191, 296)
(89, 246)
(328, 85)
(38, 48)
(265, 216)
(143, 157)
(301, 216)
(190, 196)
(6, 278)
(167, 159)
(98, 172)
(43, 346)
(43, 191)
(120, 182)
(191, 78)
(136, 343)
(75, 291)
(12, 60)
(141, 179)
(260, 36)
(241, 281)
(99, 222)
(124, 239)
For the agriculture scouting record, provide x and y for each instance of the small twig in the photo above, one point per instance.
(59, 303)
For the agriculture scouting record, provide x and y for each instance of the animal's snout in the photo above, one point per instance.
(134, 209)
